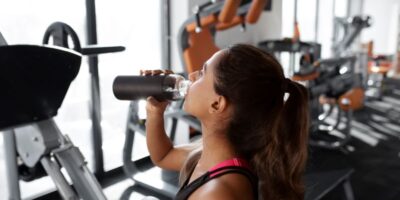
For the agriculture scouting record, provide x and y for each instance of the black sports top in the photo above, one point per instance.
(235, 165)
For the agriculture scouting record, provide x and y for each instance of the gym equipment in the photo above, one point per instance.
(337, 82)
(309, 51)
(196, 47)
(350, 28)
(164, 87)
(60, 33)
(35, 80)
(378, 67)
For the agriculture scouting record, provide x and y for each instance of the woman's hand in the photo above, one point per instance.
(153, 106)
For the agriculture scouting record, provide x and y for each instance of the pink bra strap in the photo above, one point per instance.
(236, 162)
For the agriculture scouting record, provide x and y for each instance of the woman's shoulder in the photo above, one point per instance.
(228, 186)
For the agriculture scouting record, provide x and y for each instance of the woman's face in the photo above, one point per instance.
(201, 93)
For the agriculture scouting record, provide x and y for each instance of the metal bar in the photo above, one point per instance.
(95, 110)
(348, 190)
(166, 34)
(348, 9)
(334, 9)
(53, 170)
(10, 155)
(316, 25)
(292, 58)
(83, 180)
(133, 118)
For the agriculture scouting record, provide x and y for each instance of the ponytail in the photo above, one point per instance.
(280, 164)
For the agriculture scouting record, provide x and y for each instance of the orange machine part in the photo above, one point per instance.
(255, 10)
(308, 77)
(398, 62)
(201, 48)
(205, 22)
(383, 68)
(236, 21)
(228, 12)
(370, 48)
(296, 33)
(356, 97)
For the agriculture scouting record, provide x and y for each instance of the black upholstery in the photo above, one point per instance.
(33, 82)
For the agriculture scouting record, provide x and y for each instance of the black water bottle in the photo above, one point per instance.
(164, 87)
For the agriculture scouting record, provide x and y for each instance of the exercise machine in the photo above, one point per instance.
(336, 87)
(346, 30)
(35, 80)
(60, 33)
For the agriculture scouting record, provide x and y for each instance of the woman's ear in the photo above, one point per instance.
(218, 105)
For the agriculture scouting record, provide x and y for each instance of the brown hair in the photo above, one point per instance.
(269, 132)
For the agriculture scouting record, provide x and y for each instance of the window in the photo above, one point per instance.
(306, 16)
(135, 25)
(24, 22)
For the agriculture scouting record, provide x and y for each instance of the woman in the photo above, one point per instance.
(254, 143)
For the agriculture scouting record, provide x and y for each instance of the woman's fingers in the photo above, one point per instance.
(155, 72)
(167, 71)
(145, 72)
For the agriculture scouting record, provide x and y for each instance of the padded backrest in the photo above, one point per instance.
(255, 10)
(307, 77)
(236, 21)
(206, 22)
(202, 47)
(356, 98)
(33, 82)
(249, 12)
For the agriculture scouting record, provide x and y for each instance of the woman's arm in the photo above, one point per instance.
(162, 152)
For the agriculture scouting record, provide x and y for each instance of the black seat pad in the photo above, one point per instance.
(33, 82)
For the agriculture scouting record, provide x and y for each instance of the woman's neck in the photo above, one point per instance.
(216, 147)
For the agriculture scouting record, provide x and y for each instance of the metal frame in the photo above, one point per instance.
(11, 165)
(95, 111)
(340, 142)
(166, 34)
(42, 142)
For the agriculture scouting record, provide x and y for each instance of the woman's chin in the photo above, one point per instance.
(186, 108)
